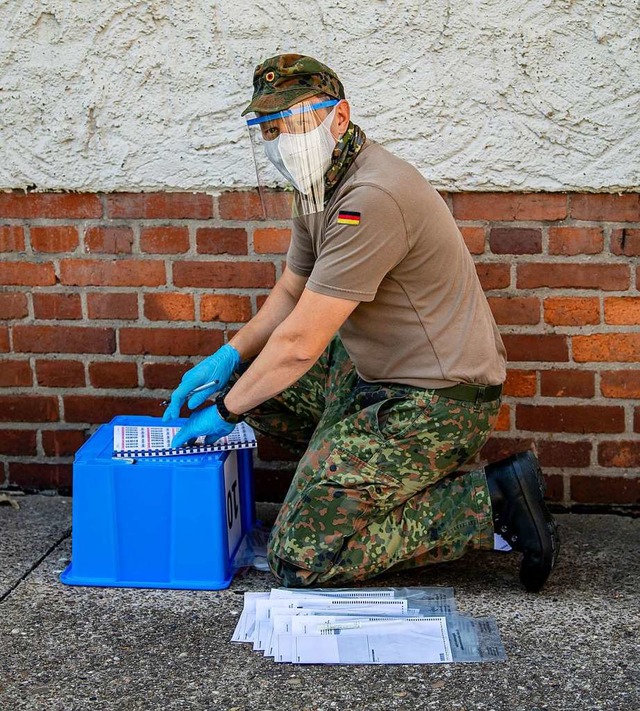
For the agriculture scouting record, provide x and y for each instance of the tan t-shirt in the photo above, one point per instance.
(387, 239)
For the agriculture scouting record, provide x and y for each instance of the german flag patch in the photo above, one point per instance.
(346, 217)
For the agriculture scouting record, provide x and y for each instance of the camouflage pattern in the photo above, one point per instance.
(376, 487)
(284, 80)
(344, 153)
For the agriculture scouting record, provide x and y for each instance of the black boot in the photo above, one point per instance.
(521, 517)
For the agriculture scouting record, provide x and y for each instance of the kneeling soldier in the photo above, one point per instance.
(376, 355)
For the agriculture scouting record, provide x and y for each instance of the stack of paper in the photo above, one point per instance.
(358, 626)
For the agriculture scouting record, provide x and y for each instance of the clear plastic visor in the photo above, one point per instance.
(292, 150)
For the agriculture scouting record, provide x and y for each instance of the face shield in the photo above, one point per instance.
(293, 149)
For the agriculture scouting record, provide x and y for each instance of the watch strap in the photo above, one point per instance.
(227, 416)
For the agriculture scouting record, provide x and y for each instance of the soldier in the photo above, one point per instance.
(376, 356)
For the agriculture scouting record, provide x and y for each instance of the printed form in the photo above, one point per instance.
(370, 626)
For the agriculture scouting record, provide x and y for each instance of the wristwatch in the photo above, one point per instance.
(227, 416)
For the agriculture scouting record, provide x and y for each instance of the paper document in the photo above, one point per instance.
(426, 644)
(365, 626)
(246, 623)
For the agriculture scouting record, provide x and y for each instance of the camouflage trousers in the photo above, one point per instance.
(376, 487)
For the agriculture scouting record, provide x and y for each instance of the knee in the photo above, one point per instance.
(288, 574)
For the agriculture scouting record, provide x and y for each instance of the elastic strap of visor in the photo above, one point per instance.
(291, 112)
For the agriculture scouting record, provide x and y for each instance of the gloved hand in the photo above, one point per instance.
(204, 422)
(220, 366)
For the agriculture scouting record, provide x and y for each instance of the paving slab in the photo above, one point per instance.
(29, 532)
(571, 647)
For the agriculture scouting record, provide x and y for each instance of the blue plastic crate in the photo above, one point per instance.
(172, 522)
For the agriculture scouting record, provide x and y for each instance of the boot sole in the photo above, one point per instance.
(533, 495)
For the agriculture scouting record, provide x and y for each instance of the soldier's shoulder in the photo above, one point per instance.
(379, 166)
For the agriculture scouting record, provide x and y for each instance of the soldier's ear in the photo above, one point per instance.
(343, 116)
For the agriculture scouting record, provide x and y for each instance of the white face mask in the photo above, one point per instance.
(303, 158)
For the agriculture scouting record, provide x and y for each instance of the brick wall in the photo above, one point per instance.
(106, 300)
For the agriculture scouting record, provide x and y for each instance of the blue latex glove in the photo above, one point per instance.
(204, 422)
(220, 366)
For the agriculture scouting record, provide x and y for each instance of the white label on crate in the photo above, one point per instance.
(232, 501)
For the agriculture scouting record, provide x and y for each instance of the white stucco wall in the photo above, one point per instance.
(479, 94)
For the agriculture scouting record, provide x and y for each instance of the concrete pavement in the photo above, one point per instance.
(574, 646)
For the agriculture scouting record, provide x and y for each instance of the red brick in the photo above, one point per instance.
(271, 240)
(536, 347)
(620, 383)
(57, 306)
(160, 206)
(4, 340)
(509, 206)
(164, 376)
(570, 418)
(13, 305)
(49, 205)
(115, 306)
(272, 484)
(497, 448)
(567, 383)
(113, 375)
(28, 408)
(503, 423)
(63, 339)
(515, 240)
(18, 442)
(619, 454)
(60, 373)
(474, 238)
(164, 240)
(572, 311)
(94, 409)
(623, 310)
(272, 450)
(605, 490)
(575, 240)
(129, 272)
(38, 476)
(246, 205)
(603, 207)
(240, 205)
(14, 373)
(169, 341)
(221, 240)
(260, 299)
(625, 242)
(224, 275)
(169, 307)
(227, 307)
(608, 277)
(109, 240)
(54, 238)
(494, 276)
(62, 443)
(515, 309)
(603, 347)
(11, 238)
(27, 273)
(564, 454)
(554, 487)
(520, 383)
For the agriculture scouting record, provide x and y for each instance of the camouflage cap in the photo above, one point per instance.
(283, 80)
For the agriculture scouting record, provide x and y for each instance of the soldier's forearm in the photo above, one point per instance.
(280, 364)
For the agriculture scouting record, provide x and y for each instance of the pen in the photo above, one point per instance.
(199, 389)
